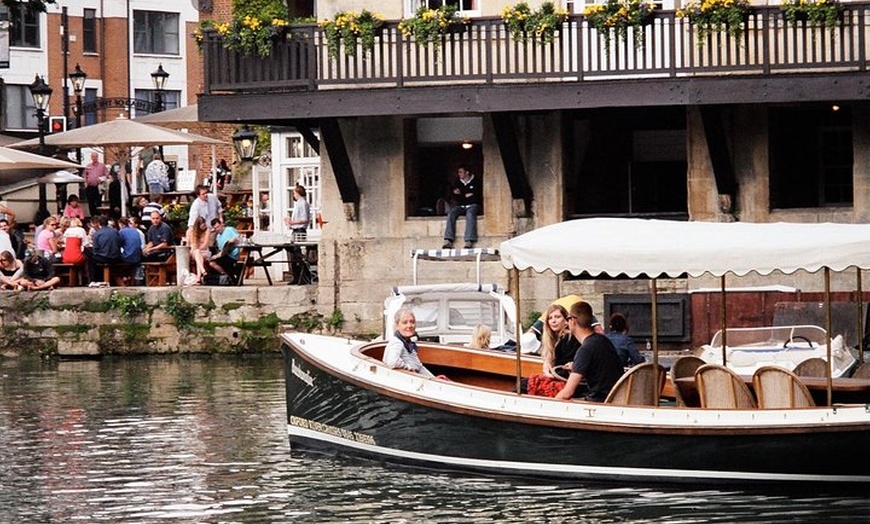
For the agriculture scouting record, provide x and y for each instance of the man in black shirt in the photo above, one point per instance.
(596, 361)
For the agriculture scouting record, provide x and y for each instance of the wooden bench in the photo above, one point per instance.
(118, 270)
(70, 274)
(160, 273)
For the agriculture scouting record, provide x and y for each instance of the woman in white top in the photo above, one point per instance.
(401, 350)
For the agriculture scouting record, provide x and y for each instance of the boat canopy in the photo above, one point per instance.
(654, 248)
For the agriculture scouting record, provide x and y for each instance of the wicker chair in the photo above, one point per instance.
(640, 386)
(862, 371)
(686, 394)
(721, 388)
(777, 388)
(812, 367)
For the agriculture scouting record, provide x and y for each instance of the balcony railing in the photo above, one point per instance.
(485, 53)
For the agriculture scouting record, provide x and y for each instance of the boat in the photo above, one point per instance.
(751, 348)
(342, 398)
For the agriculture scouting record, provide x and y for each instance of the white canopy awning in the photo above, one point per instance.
(655, 248)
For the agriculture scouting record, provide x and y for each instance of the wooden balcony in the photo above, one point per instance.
(772, 61)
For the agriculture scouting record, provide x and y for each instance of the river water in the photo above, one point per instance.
(203, 439)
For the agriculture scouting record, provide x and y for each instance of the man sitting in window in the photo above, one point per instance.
(467, 197)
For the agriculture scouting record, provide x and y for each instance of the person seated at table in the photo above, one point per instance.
(159, 240)
(105, 247)
(38, 273)
(198, 240)
(74, 243)
(224, 261)
(73, 208)
(147, 207)
(131, 241)
(46, 239)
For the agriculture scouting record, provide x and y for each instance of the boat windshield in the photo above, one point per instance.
(772, 336)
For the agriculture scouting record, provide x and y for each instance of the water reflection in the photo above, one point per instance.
(200, 439)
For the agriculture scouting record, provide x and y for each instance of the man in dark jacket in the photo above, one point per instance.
(466, 197)
(105, 247)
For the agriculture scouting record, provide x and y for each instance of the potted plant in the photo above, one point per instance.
(428, 25)
(542, 23)
(352, 29)
(817, 12)
(248, 34)
(713, 16)
(618, 16)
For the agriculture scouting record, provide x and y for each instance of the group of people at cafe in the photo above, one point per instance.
(580, 359)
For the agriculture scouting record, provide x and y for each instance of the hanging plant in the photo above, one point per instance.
(248, 34)
(618, 16)
(428, 25)
(352, 29)
(713, 16)
(817, 12)
(543, 23)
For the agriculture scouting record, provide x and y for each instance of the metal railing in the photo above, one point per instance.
(485, 53)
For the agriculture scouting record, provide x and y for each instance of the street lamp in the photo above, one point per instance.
(78, 77)
(159, 78)
(245, 142)
(41, 94)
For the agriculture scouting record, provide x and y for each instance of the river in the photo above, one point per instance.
(203, 440)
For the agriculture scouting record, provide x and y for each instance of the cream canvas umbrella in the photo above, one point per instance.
(119, 135)
(12, 160)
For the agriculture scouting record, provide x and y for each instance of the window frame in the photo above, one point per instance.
(411, 6)
(146, 26)
(23, 103)
(20, 32)
(89, 30)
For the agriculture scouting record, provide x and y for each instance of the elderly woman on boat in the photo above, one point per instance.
(401, 350)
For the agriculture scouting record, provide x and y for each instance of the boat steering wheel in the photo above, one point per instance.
(797, 337)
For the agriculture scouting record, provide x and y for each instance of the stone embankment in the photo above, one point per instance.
(104, 321)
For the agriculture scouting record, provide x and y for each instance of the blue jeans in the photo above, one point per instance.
(470, 212)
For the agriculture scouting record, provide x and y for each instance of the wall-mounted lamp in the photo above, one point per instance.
(467, 145)
(245, 141)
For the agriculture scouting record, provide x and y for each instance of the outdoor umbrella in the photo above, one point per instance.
(11, 159)
(60, 179)
(119, 135)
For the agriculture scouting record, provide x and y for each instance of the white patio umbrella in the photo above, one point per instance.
(119, 135)
(10, 160)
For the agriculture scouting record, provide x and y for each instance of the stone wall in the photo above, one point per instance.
(91, 322)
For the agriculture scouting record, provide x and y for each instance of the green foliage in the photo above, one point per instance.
(129, 306)
(259, 8)
(353, 30)
(27, 303)
(531, 318)
(308, 321)
(713, 16)
(427, 25)
(619, 16)
(335, 321)
(816, 12)
(182, 311)
(543, 23)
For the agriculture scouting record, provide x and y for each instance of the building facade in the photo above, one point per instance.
(770, 125)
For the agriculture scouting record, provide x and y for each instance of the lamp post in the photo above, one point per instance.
(41, 94)
(78, 77)
(159, 78)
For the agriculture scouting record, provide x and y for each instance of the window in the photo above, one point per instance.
(90, 95)
(466, 7)
(810, 156)
(155, 32)
(171, 99)
(435, 148)
(89, 31)
(300, 164)
(626, 162)
(18, 108)
(23, 25)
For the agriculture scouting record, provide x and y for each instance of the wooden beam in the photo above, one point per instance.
(514, 168)
(333, 140)
(307, 133)
(717, 145)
